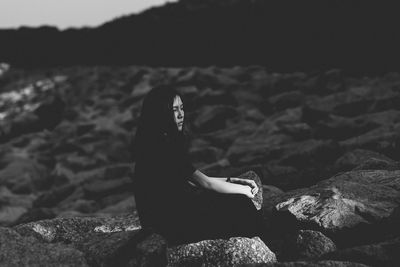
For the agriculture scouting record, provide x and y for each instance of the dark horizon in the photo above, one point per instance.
(284, 36)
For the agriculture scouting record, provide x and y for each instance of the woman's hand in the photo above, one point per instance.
(248, 182)
(248, 191)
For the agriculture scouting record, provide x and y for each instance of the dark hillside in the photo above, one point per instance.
(358, 36)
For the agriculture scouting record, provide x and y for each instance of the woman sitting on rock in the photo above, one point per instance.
(164, 179)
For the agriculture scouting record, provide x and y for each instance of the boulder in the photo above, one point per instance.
(4, 68)
(104, 241)
(306, 244)
(252, 149)
(17, 250)
(221, 252)
(352, 207)
(209, 96)
(282, 176)
(386, 117)
(98, 189)
(378, 164)
(124, 248)
(35, 214)
(286, 100)
(354, 158)
(13, 206)
(52, 197)
(75, 229)
(356, 100)
(309, 152)
(225, 137)
(341, 128)
(321, 263)
(23, 175)
(213, 118)
(384, 140)
(385, 253)
(31, 109)
(124, 206)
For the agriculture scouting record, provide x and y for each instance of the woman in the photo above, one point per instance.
(164, 179)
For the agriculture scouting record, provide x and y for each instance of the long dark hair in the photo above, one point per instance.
(156, 121)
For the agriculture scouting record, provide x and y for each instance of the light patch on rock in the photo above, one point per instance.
(111, 229)
(4, 67)
(48, 233)
(328, 209)
(221, 252)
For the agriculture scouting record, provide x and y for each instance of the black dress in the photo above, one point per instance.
(167, 203)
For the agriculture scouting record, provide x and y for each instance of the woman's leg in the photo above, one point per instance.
(227, 215)
(213, 216)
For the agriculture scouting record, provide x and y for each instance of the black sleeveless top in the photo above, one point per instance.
(161, 181)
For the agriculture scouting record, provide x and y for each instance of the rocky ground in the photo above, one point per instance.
(325, 146)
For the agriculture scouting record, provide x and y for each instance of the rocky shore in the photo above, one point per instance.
(324, 147)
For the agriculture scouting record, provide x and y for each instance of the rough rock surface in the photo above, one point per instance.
(221, 252)
(13, 205)
(17, 250)
(326, 263)
(104, 241)
(307, 244)
(354, 158)
(76, 228)
(385, 253)
(351, 204)
(65, 150)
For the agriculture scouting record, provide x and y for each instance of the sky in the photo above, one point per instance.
(68, 13)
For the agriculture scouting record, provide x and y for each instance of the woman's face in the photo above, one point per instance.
(177, 107)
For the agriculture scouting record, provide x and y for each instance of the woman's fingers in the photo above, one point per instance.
(248, 182)
(249, 192)
(254, 190)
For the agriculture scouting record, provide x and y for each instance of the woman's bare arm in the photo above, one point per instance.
(220, 185)
(236, 180)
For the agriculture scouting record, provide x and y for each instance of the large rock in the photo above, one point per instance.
(213, 118)
(17, 250)
(355, 157)
(70, 230)
(31, 109)
(353, 207)
(286, 100)
(13, 206)
(52, 197)
(355, 101)
(124, 248)
(321, 263)
(98, 189)
(254, 149)
(23, 175)
(341, 128)
(378, 164)
(215, 97)
(104, 241)
(307, 244)
(308, 152)
(384, 140)
(225, 137)
(221, 252)
(386, 253)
